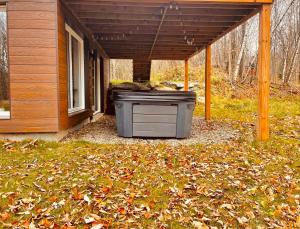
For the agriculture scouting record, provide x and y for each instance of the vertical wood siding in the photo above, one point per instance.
(32, 50)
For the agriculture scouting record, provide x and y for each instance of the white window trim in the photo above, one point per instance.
(72, 33)
(4, 114)
(98, 86)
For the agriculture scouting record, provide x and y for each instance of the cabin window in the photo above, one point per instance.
(75, 58)
(4, 77)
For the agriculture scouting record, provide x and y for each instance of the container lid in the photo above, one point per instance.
(155, 96)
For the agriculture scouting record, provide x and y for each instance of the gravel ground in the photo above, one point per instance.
(104, 131)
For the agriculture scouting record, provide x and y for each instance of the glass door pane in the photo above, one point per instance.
(4, 77)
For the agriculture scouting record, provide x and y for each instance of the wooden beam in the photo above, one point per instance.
(186, 75)
(147, 11)
(233, 27)
(157, 32)
(264, 61)
(146, 19)
(157, 18)
(126, 5)
(139, 23)
(70, 11)
(208, 83)
(189, 1)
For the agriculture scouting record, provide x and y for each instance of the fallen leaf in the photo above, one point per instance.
(242, 220)
(89, 219)
(122, 211)
(5, 216)
(200, 225)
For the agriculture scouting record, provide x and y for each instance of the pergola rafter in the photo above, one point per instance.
(134, 23)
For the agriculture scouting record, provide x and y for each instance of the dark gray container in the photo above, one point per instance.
(154, 114)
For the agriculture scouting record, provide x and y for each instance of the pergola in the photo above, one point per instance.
(145, 30)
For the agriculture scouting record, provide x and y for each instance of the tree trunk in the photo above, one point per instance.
(240, 56)
(293, 63)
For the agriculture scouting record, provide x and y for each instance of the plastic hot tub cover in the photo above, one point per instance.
(154, 114)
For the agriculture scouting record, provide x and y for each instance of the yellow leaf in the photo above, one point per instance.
(298, 222)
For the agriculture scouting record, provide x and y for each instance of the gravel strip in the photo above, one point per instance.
(104, 131)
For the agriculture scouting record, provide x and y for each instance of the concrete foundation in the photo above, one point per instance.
(51, 137)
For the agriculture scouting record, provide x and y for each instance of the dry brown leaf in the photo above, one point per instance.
(5, 216)
(122, 211)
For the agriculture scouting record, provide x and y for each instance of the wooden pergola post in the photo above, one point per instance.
(264, 60)
(186, 75)
(208, 83)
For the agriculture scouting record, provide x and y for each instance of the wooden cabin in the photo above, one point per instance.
(55, 53)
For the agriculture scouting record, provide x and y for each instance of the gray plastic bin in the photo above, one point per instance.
(154, 114)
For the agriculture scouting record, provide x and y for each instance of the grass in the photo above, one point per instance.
(241, 184)
(245, 109)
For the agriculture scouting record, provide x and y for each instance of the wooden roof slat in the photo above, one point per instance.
(153, 2)
(150, 18)
(157, 5)
(134, 24)
(134, 28)
(158, 11)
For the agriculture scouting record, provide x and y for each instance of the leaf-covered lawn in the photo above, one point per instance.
(82, 185)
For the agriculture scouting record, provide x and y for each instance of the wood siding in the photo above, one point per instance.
(65, 120)
(38, 67)
(32, 50)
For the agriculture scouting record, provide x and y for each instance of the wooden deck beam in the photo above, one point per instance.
(192, 1)
(186, 75)
(120, 25)
(264, 61)
(208, 83)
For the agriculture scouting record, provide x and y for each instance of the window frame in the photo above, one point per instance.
(97, 86)
(72, 33)
(6, 115)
